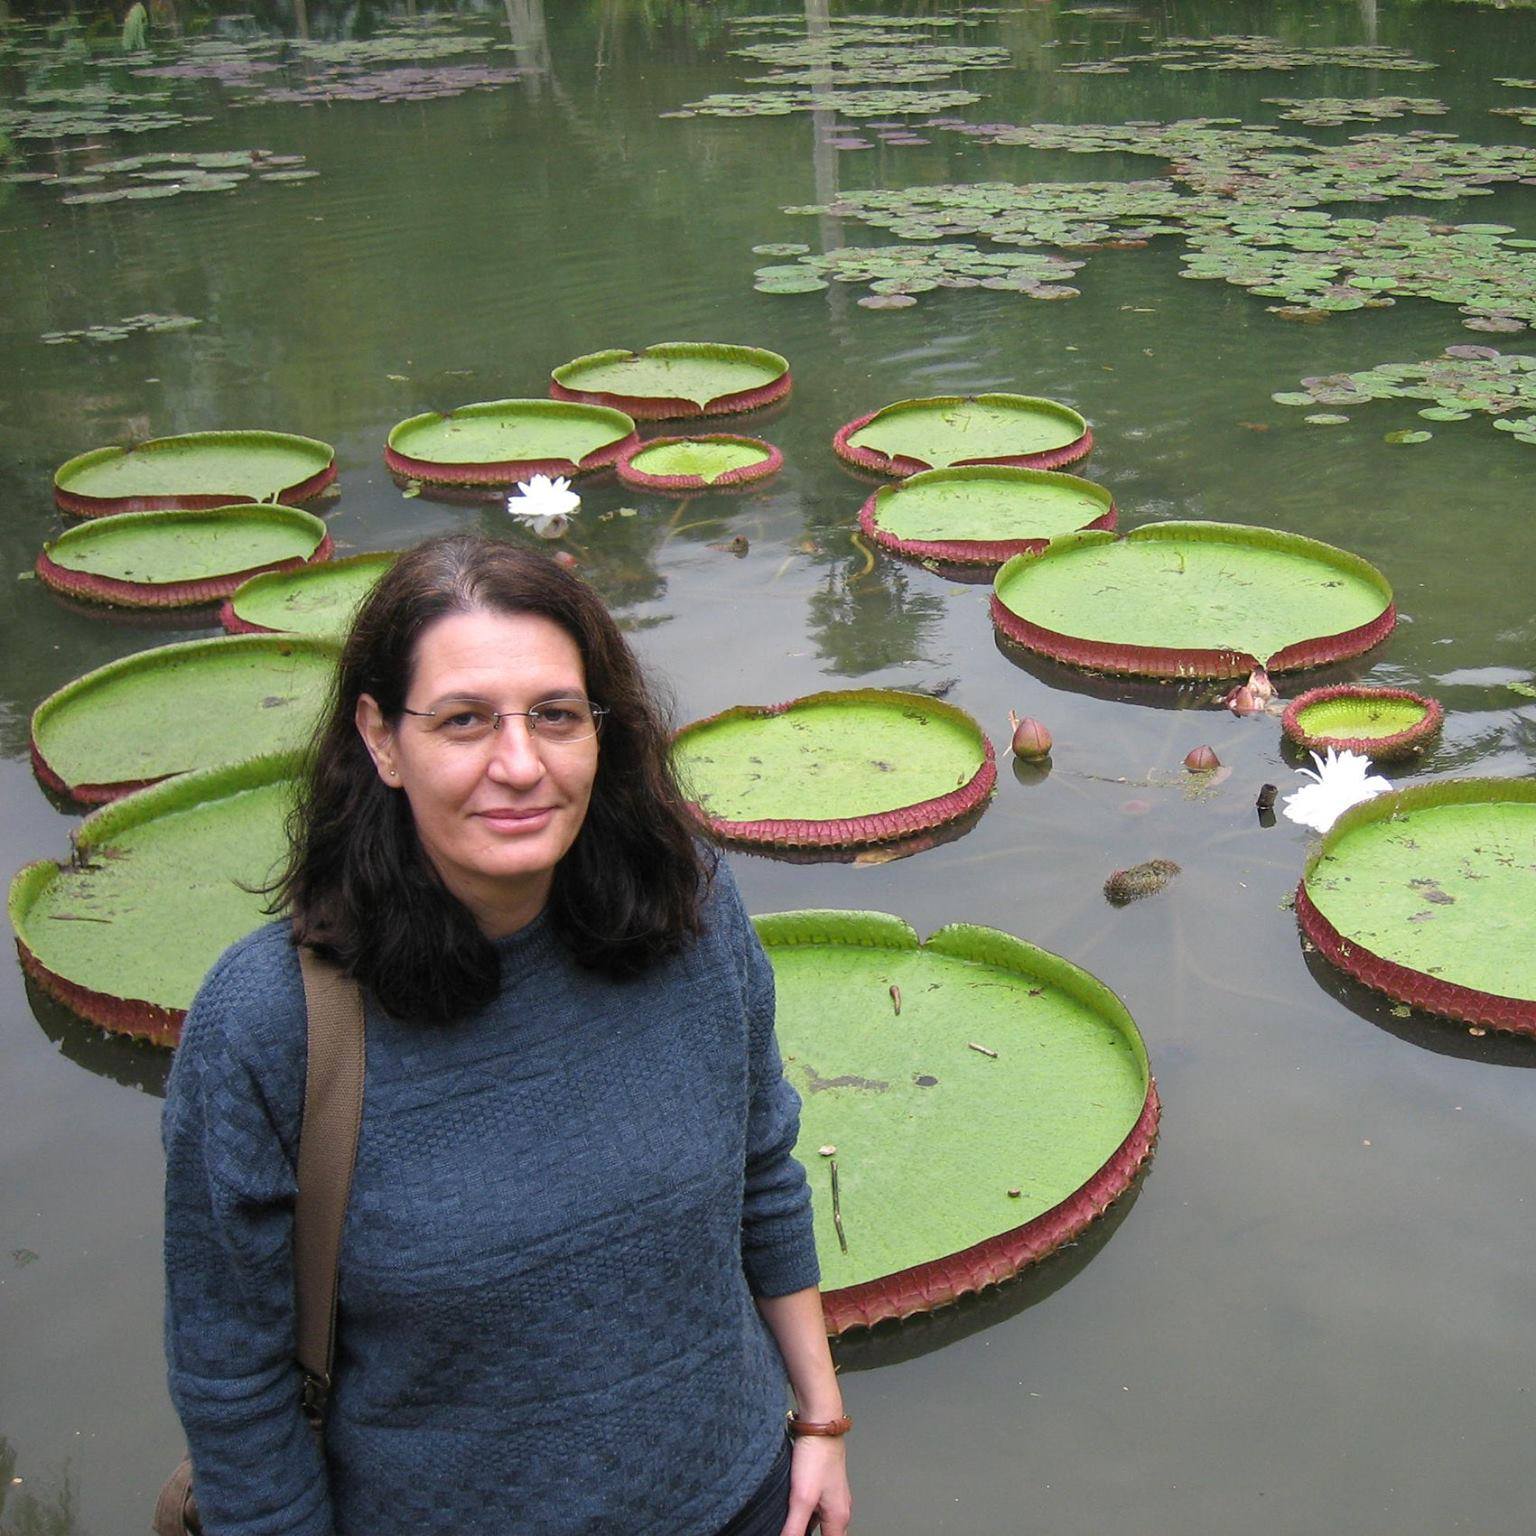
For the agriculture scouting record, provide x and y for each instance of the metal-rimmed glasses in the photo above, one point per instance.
(555, 720)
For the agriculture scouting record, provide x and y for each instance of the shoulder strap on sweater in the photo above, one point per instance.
(333, 1115)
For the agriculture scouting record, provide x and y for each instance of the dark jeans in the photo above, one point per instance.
(765, 1512)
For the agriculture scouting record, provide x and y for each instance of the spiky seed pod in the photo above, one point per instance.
(1202, 760)
(1139, 880)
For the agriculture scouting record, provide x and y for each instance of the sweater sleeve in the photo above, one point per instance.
(778, 1245)
(230, 1128)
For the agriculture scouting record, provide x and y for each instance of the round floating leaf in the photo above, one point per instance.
(1405, 437)
(786, 248)
(835, 770)
(318, 600)
(801, 282)
(886, 301)
(161, 884)
(686, 464)
(1183, 599)
(179, 558)
(176, 708)
(198, 469)
(983, 1100)
(678, 378)
(1382, 723)
(1426, 894)
(1325, 419)
(946, 430)
(500, 442)
(983, 514)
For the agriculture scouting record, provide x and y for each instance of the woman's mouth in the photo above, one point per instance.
(531, 820)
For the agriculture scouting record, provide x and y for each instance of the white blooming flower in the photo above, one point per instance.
(544, 504)
(1342, 779)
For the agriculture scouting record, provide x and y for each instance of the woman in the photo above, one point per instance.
(578, 1261)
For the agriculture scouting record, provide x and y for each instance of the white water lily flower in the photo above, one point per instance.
(544, 504)
(1342, 779)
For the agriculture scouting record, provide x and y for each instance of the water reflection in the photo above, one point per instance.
(868, 1349)
(34, 1506)
(115, 1057)
(1445, 1037)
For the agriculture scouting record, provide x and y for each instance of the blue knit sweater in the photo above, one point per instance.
(563, 1208)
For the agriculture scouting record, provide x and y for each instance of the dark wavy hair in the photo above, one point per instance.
(358, 883)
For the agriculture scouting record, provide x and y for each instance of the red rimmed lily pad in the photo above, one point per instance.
(710, 462)
(499, 442)
(675, 378)
(177, 708)
(195, 470)
(841, 769)
(160, 884)
(1383, 723)
(983, 514)
(178, 558)
(1426, 894)
(1183, 600)
(942, 431)
(316, 601)
(979, 1101)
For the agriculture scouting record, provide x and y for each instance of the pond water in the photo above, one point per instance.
(1313, 1313)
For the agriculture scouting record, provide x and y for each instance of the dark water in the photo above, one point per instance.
(1315, 1314)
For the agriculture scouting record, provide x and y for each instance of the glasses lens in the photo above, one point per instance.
(564, 720)
(464, 722)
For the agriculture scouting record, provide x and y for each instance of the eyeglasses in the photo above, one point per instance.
(555, 720)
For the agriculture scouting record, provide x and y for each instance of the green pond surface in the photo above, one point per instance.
(1313, 1315)
(980, 507)
(252, 466)
(319, 600)
(827, 760)
(1446, 890)
(166, 547)
(1362, 719)
(707, 461)
(700, 379)
(511, 429)
(192, 706)
(931, 1134)
(938, 435)
(1196, 593)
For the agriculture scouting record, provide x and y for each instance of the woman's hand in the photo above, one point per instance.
(818, 1487)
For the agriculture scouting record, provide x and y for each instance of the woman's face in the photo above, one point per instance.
(495, 809)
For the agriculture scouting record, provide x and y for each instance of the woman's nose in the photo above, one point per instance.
(515, 757)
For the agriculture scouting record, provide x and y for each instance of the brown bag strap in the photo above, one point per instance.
(333, 1117)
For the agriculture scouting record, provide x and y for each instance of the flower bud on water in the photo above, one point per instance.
(1031, 740)
(1202, 760)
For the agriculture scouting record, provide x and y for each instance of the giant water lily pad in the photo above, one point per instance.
(983, 514)
(161, 884)
(179, 558)
(1427, 894)
(1383, 723)
(675, 378)
(1183, 599)
(319, 600)
(945, 430)
(982, 1101)
(197, 469)
(683, 465)
(499, 442)
(835, 770)
(176, 708)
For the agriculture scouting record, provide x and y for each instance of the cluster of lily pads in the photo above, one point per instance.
(1329, 111)
(143, 177)
(1462, 381)
(1245, 200)
(872, 102)
(1233, 52)
(406, 83)
(896, 272)
(87, 118)
(121, 330)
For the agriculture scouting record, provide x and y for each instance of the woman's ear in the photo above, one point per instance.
(378, 738)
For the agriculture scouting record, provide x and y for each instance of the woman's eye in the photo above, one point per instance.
(464, 720)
